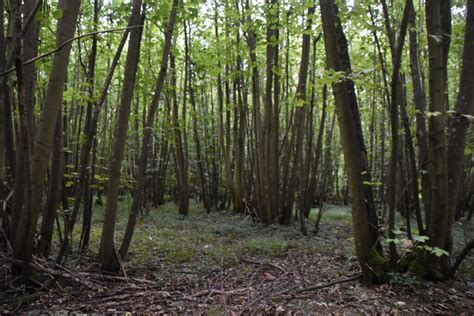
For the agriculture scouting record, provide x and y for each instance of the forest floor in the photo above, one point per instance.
(224, 263)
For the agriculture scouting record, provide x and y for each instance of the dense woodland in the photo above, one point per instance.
(272, 110)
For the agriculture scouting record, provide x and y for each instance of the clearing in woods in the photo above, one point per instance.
(222, 262)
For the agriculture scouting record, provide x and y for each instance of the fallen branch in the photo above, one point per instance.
(263, 263)
(322, 286)
(68, 275)
(220, 292)
(107, 277)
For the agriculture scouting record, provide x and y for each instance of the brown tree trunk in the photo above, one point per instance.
(297, 138)
(350, 142)
(420, 104)
(396, 100)
(45, 132)
(271, 155)
(459, 124)
(86, 148)
(55, 183)
(437, 124)
(142, 167)
(107, 246)
(179, 132)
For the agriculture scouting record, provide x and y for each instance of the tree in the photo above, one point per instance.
(108, 251)
(45, 131)
(365, 247)
(142, 167)
(459, 123)
(437, 124)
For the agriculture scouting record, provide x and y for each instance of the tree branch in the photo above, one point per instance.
(65, 43)
(462, 255)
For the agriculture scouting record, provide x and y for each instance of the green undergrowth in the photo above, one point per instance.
(206, 241)
(333, 213)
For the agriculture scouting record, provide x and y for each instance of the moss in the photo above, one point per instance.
(264, 246)
(378, 262)
(214, 310)
(418, 267)
(28, 299)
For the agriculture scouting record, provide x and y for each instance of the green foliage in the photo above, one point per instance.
(420, 245)
(264, 246)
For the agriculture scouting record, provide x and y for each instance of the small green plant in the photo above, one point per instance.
(418, 244)
(403, 279)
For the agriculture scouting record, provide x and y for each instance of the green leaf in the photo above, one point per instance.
(439, 252)
(421, 239)
(394, 241)
(58, 13)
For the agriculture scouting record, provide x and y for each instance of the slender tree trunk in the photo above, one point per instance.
(460, 122)
(437, 124)
(420, 104)
(182, 163)
(396, 100)
(24, 251)
(140, 181)
(298, 125)
(107, 246)
(55, 183)
(261, 167)
(88, 143)
(350, 143)
(271, 184)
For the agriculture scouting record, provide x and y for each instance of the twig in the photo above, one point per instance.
(263, 263)
(65, 43)
(122, 267)
(321, 286)
(116, 278)
(211, 292)
(262, 294)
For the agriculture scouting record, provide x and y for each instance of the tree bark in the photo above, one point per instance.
(107, 246)
(350, 143)
(459, 124)
(420, 104)
(437, 124)
(140, 180)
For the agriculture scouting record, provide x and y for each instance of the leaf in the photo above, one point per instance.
(58, 13)
(430, 114)
(421, 239)
(439, 252)
(393, 240)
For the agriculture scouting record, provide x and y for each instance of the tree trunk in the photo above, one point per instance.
(142, 167)
(179, 132)
(55, 183)
(420, 104)
(86, 148)
(437, 124)
(350, 142)
(459, 124)
(396, 100)
(296, 143)
(107, 246)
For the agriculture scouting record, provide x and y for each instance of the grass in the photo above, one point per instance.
(206, 241)
(200, 240)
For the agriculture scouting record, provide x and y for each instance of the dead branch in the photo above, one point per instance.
(322, 286)
(218, 292)
(263, 263)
